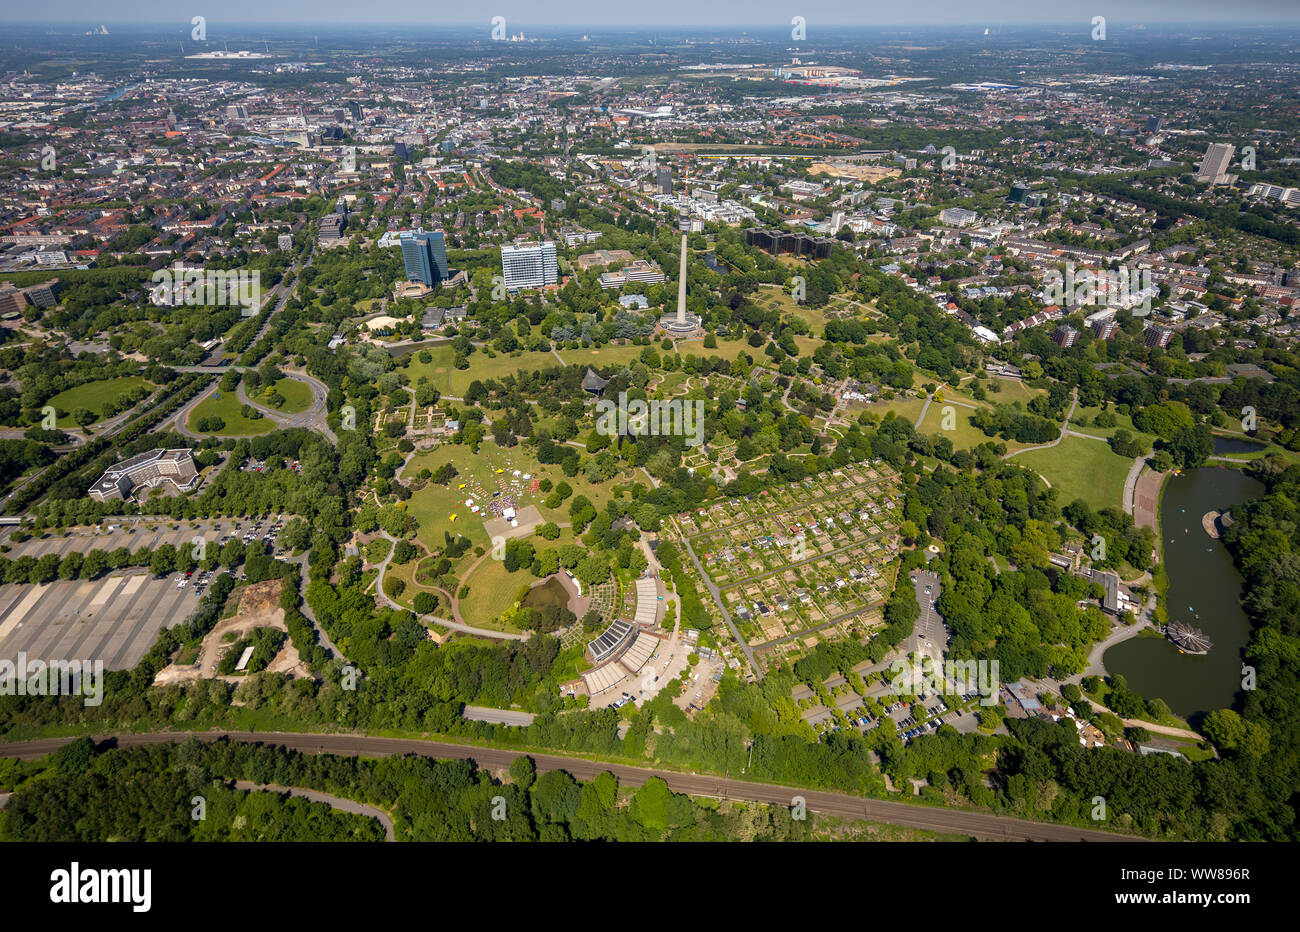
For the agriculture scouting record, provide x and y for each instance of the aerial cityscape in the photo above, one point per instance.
(571, 431)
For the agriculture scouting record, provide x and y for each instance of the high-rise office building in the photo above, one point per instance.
(664, 178)
(354, 109)
(529, 265)
(1154, 123)
(1214, 166)
(425, 256)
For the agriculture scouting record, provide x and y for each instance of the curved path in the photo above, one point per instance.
(935, 819)
(1065, 429)
(925, 409)
(456, 625)
(1131, 481)
(341, 803)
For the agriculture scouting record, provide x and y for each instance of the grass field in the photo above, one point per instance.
(297, 396)
(779, 299)
(1079, 468)
(491, 591)
(434, 505)
(226, 405)
(449, 380)
(1010, 391)
(438, 371)
(1121, 421)
(907, 408)
(92, 396)
(726, 349)
(963, 435)
(601, 356)
(455, 382)
(671, 383)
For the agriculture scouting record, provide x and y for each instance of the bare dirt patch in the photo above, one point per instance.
(259, 607)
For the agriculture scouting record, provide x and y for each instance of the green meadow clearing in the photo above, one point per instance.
(93, 396)
(1079, 468)
(226, 405)
(297, 396)
(964, 436)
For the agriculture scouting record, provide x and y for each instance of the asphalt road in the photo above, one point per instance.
(313, 417)
(929, 636)
(478, 713)
(952, 821)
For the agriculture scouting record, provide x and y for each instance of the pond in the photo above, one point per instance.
(1204, 592)
(550, 592)
(1227, 445)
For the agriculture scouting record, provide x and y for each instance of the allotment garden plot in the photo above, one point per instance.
(806, 557)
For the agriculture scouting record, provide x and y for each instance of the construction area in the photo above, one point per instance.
(256, 606)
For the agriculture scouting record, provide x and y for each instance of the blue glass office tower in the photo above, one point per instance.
(425, 255)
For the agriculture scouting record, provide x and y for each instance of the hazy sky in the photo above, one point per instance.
(738, 14)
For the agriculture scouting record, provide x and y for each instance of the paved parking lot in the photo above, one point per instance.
(136, 534)
(114, 619)
(931, 634)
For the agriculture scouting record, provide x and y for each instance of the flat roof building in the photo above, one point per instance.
(529, 265)
(147, 470)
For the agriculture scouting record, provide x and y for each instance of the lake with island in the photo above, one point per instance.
(1204, 592)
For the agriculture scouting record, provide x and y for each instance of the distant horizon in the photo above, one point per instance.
(515, 25)
(733, 15)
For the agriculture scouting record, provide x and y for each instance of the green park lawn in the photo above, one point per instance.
(603, 355)
(1122, 421)
(93, 396)
(434, 505)
(449, 380)
(778, 299)
(964, 436)
(491, 591)
(297, 396)
(1009, 391)
(905, 407)
(1079, 468)
(226, 405)
(438, 371)
(455, 382)
(726, 349)
(671, 383)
